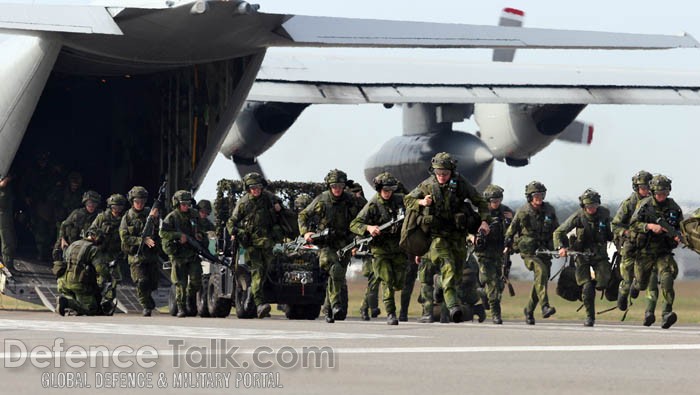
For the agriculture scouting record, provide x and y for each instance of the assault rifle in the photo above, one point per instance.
(300, 241)
(201, 250)
(506, 274)
(360, 241)
(671, 230)
(149, 227)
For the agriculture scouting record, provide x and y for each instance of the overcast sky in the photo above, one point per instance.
(660, 139)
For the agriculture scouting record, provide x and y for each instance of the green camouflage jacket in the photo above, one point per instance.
(592, 232)
(649, 211)
(109, 225)
(77, 222)
(378, 211)
(255, 222)
(332, 213)
(533, 228)
(174, 225)
(494, 242)
(621, 222)
(130, 230)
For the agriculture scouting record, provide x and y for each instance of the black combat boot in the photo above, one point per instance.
(548, 311)
(426, 319)
(403, 316)
(529, 317)
(61, 305)
(589, 321)
(668, 319)
(338, 313)
(456, 314)
(263, 310)
(622, 302)
(480, 312)
(375, 312)
(391, 319)
(181, 311)
(364, 314)
(146, 312)
(497, 319)
(191, 308)
(649, 318)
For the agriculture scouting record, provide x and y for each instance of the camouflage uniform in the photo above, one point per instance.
(107, 222)
(370, 302)
(74, 227)
(533, 228)
(655, 251)
(255, 223)
(620, 228)
(333, 213)
(65, 199)
(592, 235)
(448, 218)
(389, 261)
(143, 266)
(8, 239)
(186, 271)
(78, 284)
(426, 273)
(489, 252)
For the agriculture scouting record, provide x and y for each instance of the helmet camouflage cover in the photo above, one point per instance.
(443, 160)
(589, 196)
(493, 192)
(385, 180)
(91, 195)
(204, 205)
(253, 178)
(137, 192)
(182, 196)
(534, 187)
(302, 201)
(641, 178)
(116, 200)
(336, 176)
(660, 183)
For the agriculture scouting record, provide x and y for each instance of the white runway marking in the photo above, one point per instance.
(192, 332)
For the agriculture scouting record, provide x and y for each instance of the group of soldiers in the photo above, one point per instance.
(451, 215)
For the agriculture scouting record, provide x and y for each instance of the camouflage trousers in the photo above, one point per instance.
(657, 271)
(336, 269)
(449, 255)
(145, 275)
(390, 270)
(104, 273)
(371, 299)
(82, 299)
(491, 277)
(627, 271)
(260, 260)
(426, 272)
(541, 268)
(8, 240)
(601, 268)
(186, 274)
(467, 290)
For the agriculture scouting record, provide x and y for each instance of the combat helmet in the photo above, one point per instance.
(252, 179)
(91, 195)
(116, 200)
(385, 180)
(534, 187)
(589, 196)
(302, 201)
(204, 205)
(182, 196)
(97, 235)
(660, 183)
(336, 176)
(443, 160)
(137, 192)
(641, 178)
(493, 192)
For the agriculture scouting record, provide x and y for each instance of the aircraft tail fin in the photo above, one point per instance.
(509, 17)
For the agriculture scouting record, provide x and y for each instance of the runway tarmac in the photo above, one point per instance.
(128, 354)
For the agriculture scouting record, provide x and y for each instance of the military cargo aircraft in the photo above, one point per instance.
(128, 91)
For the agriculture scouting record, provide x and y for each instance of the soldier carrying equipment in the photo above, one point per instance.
(149, 227)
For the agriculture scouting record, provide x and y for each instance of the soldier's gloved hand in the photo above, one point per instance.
(149, 242)
(562, 252)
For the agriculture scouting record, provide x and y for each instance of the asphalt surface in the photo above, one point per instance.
(128, 354)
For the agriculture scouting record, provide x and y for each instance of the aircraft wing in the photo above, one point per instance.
(344, 80)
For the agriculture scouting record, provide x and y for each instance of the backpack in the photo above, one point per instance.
(567, 287)
(414, 239)
(690, 229)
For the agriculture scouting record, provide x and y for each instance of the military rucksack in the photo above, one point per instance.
(567, 287)
(613, 289)
(690, 229)
(414, 239)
